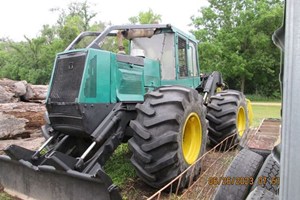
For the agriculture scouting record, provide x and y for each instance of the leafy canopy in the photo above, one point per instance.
(147, 17)
(32, 59)
(235, 38)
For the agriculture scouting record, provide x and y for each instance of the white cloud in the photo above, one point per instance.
(19, 18)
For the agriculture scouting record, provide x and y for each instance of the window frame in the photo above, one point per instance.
(178, 74)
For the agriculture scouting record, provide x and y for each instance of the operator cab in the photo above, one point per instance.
(176, 53)
(175, 50)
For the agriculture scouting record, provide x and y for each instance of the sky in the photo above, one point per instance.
(26, 17)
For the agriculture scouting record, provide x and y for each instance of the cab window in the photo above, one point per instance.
(182, 58)
(192, 59)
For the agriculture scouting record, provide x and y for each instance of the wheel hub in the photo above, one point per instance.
(241, 121)
(191, 138)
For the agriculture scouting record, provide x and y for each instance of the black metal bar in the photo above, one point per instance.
(209, 84)
(79, 38)
(107, 122)
(60, 143)
(94, 44)
(79, 163)
(107, 129)
(103, 153)
(36, 155)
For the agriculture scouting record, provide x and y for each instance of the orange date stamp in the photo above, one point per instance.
(221, 180)
(263, 180)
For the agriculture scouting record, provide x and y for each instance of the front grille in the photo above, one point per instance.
(67, 77)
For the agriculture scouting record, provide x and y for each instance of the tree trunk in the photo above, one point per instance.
(20, 119)
(242, 83)
(36, 92)
(14, 91)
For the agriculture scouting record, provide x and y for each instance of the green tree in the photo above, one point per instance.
(3, 53)
(78, 17)
(148, 17)
(32, 59)
(235, 38)
(77, 9)
(26, 60)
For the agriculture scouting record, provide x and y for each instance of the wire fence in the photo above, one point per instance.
(213, 164)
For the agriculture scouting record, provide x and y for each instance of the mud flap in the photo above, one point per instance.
(24, 180)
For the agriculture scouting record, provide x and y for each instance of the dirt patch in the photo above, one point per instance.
(32, 143)
(265, 137)
(214, 166)
(136, 189)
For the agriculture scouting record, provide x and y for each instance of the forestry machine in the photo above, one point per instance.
(139, 84)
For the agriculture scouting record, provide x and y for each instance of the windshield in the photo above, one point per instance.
(158, 47)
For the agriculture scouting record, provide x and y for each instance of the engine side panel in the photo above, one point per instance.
(96, 81)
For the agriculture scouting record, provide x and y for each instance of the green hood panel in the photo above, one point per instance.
(95, 87)
(111, 78)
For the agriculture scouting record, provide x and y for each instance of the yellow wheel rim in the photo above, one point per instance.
(250, 112)
(191, 138)
(241, 121)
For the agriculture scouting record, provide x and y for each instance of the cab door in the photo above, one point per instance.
(186, 62)
(192, 58)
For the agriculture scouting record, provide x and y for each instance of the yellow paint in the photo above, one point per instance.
(191, 138)
(250, 112)
(241, 121)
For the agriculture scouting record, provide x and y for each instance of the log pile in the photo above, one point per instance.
(21, 113)
(14, 91)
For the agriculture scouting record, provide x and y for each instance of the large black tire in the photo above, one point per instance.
(268, 176)
(263, 152)
(260, 193)
(239, 176)
(276, 152)
(227, 114)
(169, 124)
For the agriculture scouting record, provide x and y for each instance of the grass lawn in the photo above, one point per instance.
(118, 167)
(264, 111)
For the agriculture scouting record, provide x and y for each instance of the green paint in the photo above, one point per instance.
(107, 80)
(129, 82)
(95, 86)
(151, 74)
(187, 82)
(113, 78)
